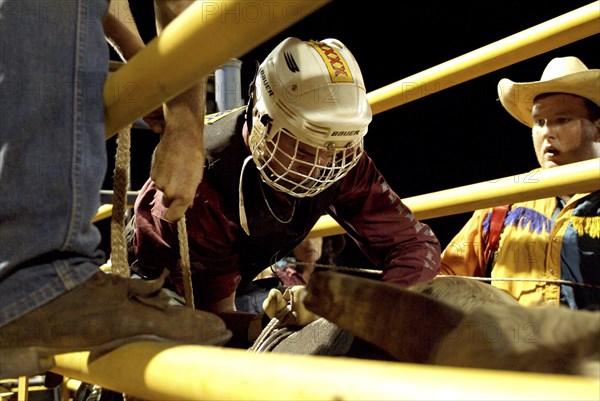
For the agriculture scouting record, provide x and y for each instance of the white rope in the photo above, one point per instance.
(525, 279)
(537, 280)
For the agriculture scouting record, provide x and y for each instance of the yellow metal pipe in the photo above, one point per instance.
(568, 28)
(205, 36)
(71, 384)
(23, 392)
(156, 371)
(104, 212)
(572, 178)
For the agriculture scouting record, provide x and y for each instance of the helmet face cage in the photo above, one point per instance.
(309, 116)
(298, 168)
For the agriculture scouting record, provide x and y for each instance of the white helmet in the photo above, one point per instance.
(308, 95)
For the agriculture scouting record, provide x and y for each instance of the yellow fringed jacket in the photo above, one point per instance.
(544, 239)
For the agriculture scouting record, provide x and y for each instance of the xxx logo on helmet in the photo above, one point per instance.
(335, 62)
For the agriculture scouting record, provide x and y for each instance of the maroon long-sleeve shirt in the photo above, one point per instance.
(222, 254)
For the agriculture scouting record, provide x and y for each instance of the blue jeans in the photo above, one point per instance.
(53, 64)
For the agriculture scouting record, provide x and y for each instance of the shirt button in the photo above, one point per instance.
(554, 239)
(552, 271)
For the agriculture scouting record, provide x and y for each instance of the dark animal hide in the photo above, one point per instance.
(455, 321)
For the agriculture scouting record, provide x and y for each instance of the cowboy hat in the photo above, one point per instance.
(561, 75)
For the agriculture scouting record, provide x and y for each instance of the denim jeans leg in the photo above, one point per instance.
(53, 64)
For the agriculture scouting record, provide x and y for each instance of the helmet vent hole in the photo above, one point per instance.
(316, 128)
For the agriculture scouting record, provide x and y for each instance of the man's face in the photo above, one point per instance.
(297, 160)
(300, 168)
(309, 250)
(562, 131)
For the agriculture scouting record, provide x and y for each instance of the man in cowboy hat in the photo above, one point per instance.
(555, 238)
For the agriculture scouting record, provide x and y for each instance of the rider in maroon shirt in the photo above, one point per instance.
(273, 167)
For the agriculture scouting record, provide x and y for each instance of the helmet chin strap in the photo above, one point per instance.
(250, 105)
(249, 108)
(242, 208)
(248, 128)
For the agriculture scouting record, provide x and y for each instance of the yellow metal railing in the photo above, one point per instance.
(581, 177)
(157, 371)
(567, 28)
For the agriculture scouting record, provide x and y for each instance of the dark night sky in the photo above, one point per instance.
(456, 137)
